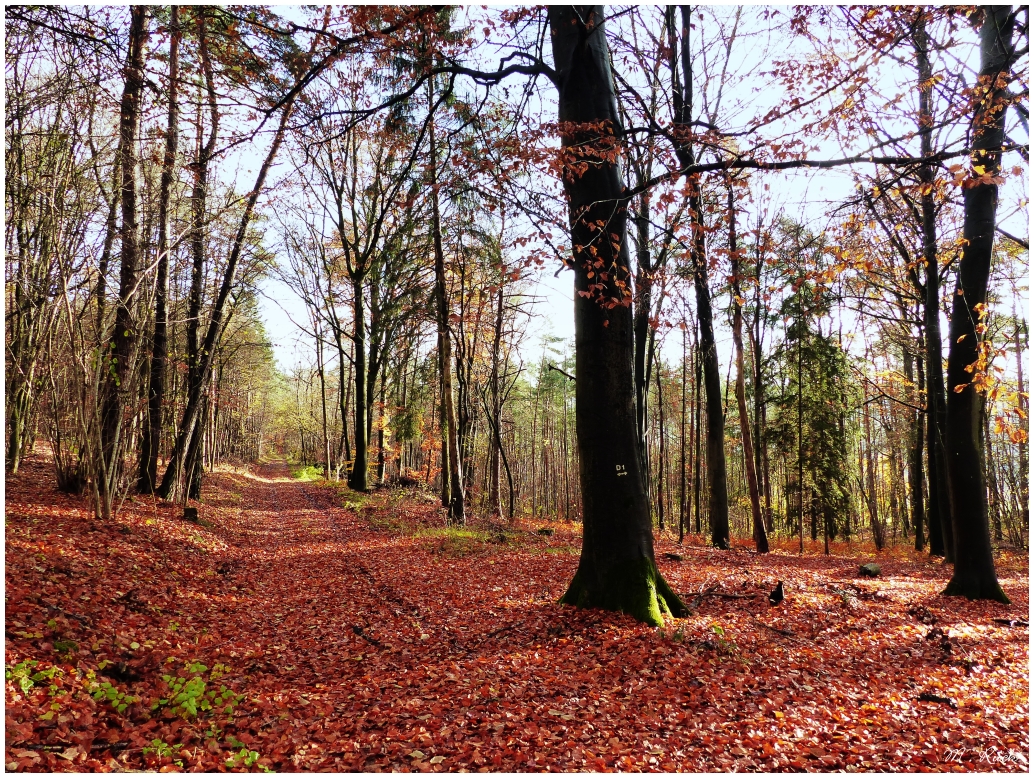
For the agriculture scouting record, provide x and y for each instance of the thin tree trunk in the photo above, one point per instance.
(755, 335)
(496, 448)
(870, 484)
(454, 473)
(199, 198)
(150, 443)
(939, 516)
(1024, 485)
(760, 536)
(359, 474)
(126, 334)
(641, 322)
(682, 442)
(323, 396)
(994, 493)
(915, 457)
(382, 460)
(345, 393)
(800, 425)
(215, 326)
(697, 387)
(682, 95)
(661, 451)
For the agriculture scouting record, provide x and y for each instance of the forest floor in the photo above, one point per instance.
(304, 627)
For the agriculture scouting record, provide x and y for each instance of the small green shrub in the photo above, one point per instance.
(119, 699)
(23, 675)
(66, 646)
(725, 643)
(245, 757)
(160, 748)
(678, 636)
(190, 693)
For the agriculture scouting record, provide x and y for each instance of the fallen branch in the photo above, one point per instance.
(372, 641)
(1011, 622)
(85, 620)
(700, 597)
(927, 697)
(499, 631)
(712, 591)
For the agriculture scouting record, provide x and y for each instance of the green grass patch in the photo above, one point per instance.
(454, 541)
(387, 522)
(452, 533)
(308, 473)
(353, 501)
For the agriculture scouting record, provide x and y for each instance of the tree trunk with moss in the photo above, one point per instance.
(974, 575)
(617, 570)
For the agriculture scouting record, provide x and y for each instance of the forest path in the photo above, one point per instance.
(368, 631)
(361, 634)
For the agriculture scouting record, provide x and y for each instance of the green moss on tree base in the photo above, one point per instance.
(633, 587)
(974, 587)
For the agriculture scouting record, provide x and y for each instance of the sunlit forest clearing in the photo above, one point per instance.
(510, 389)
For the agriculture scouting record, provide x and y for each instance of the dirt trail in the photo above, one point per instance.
(359, 634)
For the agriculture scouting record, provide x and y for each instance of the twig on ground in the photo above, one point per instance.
(1012, 622)
(372, 641)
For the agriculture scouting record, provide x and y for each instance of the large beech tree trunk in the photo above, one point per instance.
(617, 570)
(974, 575)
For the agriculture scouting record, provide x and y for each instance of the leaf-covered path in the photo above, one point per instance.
(299, 628)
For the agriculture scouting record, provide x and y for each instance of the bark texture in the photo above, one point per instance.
(617, 569)
(152, 431)
(126, 334)
(974, 575)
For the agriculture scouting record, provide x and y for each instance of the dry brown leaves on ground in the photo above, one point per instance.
(299, 628)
